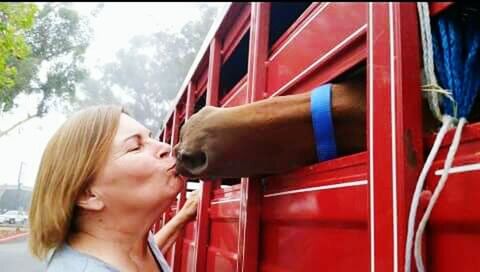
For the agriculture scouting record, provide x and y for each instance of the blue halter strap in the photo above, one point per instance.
(322, 122)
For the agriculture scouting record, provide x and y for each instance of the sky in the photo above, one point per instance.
(113, 28)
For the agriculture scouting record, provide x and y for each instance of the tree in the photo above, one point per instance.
(146, 82)
(58, 41)
(15, 19)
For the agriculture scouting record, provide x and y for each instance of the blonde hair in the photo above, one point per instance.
(71, 159)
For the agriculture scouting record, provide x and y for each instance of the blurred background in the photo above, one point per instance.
(57, 58)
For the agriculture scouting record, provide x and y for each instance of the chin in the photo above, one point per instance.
(176, 183)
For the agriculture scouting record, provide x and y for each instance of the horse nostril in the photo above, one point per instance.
(192, 162)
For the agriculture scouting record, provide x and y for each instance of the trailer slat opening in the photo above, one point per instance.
(231, 181)
(201, 102)
(282, 16)
(235, 67)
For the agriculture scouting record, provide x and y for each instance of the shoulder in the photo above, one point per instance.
(66, 258)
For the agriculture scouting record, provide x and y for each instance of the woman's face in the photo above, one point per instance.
(139, 175)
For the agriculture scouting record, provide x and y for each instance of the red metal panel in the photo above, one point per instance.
(236, 96)
(317, 40)
(316, 218)
(251, 191)
(294, 26)
(167, 216)
(453, 235)
(436, 8)
(201, 73)
(201, 84)
(235, 33)
(223, 231)
(395, 149)
(340, 63)
(188, 250)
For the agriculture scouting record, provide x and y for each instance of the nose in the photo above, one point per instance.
(164, 150)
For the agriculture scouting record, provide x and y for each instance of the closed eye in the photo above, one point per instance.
(134, 149)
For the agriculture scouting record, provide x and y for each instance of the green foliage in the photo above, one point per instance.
(147, 82)
(57, 42)
(15, 19)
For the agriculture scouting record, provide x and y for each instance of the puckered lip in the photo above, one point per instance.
(172, 169)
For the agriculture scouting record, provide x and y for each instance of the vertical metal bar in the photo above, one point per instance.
(190, 100)
(177, 247)
(251, 191)
(396, 156)
(213, 82)
(203, 225)
(259, 28)
(410, 157)
(206, 187)
(176, 122)
(165, 131)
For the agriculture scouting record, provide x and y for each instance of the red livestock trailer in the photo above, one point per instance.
(345, 214)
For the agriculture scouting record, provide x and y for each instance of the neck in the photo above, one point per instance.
(112, 240)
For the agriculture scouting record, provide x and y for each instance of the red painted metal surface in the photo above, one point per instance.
(213, 73)
(317, 218)
(238, 29)
(438, 7)
(294, 26)
(346, 214)
(188, 250)
(250, 188)
(190, 100)
(223, 230)
(166, 217)
(237, 95)
(314, 43)
(453, 232)
(395, 146)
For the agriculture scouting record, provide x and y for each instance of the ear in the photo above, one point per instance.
(89, 200)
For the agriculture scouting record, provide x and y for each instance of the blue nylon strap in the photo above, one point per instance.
(320, 103)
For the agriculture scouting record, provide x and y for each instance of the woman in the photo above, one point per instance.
(102, 183)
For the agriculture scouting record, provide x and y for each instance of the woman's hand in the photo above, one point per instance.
(189, 209)
(167, 235)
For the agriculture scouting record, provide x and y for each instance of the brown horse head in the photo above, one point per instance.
(267, 137)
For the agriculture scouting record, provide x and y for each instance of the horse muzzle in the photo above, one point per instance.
(191, 164)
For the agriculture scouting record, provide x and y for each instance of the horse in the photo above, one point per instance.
(272, 136)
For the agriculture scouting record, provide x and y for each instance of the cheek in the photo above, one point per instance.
(138, 168)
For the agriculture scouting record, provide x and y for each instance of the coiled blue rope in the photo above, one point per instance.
(456, 44)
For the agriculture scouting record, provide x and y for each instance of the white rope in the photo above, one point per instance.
(446, 120)
(438, 189)
(434, 94)
(430, 86)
